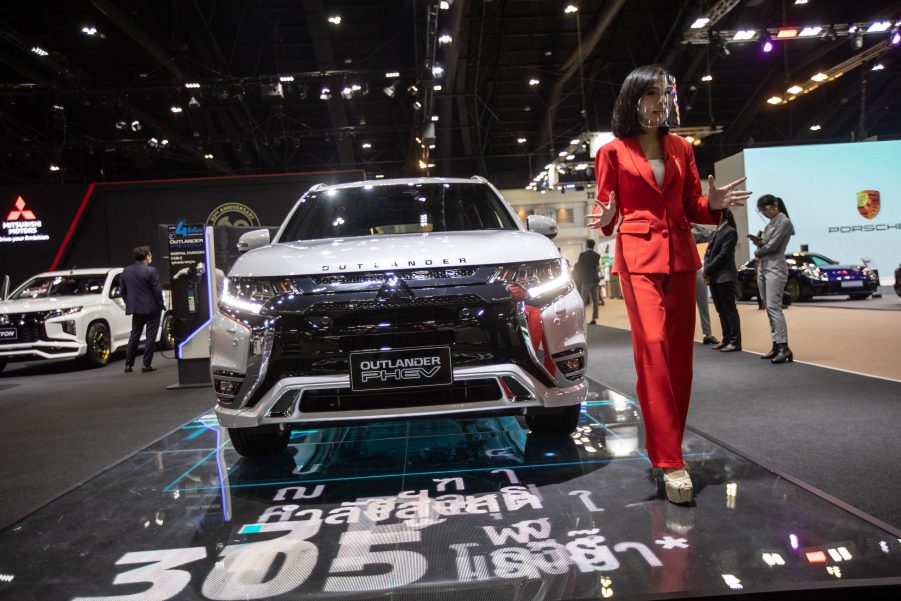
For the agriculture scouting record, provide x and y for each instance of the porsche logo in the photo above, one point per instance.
(868, 203)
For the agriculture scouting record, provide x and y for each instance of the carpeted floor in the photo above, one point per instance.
(835, 430)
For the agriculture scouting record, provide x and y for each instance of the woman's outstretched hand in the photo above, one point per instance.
(608, 212)
(727, 196)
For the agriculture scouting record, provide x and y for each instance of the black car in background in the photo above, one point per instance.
(810, 274)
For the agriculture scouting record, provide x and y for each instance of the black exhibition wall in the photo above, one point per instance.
(31, 235)
(120, 216)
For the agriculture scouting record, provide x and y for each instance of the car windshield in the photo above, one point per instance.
(60, 285)
(817, 260)
(412, 208)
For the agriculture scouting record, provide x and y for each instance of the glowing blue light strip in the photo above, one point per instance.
(700, 455)
(207, 253)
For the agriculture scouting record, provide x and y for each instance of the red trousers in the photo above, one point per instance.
(661, 312)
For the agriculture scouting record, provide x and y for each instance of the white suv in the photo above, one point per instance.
(397, 299)
(66, 314)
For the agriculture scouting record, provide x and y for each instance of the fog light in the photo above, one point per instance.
(69, 327)
(568, 366)
(227, 388)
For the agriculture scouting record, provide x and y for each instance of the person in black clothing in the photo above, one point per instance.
(719, 268)
(143, 297)
(586, 273)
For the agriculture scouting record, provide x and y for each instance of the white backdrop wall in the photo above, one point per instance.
(820, 185)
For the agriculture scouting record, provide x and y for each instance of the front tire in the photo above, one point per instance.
(99, 345)
(258, 442)
(562, 422)
(793, 290)
(167, 337)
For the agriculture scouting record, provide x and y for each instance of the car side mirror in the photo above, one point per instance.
(252, 240)
(543, 225)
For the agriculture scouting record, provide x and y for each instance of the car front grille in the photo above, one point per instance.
(343, 399)
(30, 327)
(381, 276)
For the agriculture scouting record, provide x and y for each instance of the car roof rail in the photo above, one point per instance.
(479, 178)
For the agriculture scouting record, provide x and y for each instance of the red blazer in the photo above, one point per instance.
(654, 224)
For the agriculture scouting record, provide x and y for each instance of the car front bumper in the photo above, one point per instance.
(294, 368)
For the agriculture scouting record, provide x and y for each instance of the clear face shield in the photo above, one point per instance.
(658, 106)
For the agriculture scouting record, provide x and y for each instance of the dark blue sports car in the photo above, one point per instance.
(809, 275)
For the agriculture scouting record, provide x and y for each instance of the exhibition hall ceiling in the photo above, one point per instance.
(94, 90)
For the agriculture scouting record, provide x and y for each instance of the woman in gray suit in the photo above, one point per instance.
(772, 271)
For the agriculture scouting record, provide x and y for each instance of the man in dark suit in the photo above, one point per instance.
(586, 274)
(719, 268)
(140, 287)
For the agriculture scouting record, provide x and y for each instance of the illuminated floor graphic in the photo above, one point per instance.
(437, 509)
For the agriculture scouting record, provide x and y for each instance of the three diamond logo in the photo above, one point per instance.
(20, 212)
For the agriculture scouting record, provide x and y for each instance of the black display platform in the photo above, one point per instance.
(438, 509)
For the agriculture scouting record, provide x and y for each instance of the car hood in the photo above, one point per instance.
(30, 305)
(405, 251)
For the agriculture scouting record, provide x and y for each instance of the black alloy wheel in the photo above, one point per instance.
(99, 345)
(793, 290)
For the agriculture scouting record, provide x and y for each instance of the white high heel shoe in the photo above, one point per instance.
(678, 486)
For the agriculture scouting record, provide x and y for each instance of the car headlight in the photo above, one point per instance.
(60, 312)
(814, 273)
(870, 274)
(532, 281)
(252, 294)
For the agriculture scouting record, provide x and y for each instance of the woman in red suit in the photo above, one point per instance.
(651, 183)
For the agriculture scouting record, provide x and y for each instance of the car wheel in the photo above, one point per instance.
(167, 337)
(99, 345)
(258, 442)
(793, 290)
(562, 422)
(860, 296)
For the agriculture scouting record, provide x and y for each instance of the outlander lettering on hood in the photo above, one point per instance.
(396, 264)
(396, 299)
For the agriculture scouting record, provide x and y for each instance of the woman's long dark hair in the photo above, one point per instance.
(730, 218)
(625, 110)
(768, 200)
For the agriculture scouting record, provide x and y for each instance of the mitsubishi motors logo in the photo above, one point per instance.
(394, 289)
(22, 225)
(20, 212)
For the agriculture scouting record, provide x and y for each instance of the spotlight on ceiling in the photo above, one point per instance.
(521, 140)
(135, 125)
(325, 94)
(193, 103)
(336, 20)
(121, 124)
(767, 44)
(54, 168)
(391, 90)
